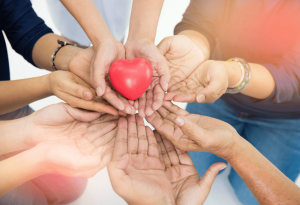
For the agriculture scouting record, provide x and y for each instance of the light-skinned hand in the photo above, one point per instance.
(153, 98)
(60, 125)
(191, 132)
(188, 187)
(136, 171)
(80, 65)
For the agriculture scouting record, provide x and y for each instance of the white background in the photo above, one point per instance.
(99, 190)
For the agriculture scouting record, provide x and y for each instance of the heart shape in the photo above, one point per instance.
(131, 78)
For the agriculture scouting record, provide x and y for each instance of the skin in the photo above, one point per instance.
(65, 141)
(194, 79)
(200, 133)
(146, 167)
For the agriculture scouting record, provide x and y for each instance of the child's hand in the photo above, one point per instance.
(77, 93)
(205, 85)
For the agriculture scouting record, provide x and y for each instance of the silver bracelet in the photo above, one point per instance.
(246, 75)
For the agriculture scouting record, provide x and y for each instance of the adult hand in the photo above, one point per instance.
(190, 132)
(187, 185)
(183, 57)
(61, 123)
(206, 84)
(77, 93)
(136, 171)
(146, 49)
(80, 65)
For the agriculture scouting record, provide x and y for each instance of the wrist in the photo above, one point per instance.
(64, 56)
(234, 72)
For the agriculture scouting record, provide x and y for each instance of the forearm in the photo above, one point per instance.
(200, 40)
(44, 49)
(144, 19)
(18, 93)
(89, 18)
(12, 139)
(261, 84)
(265, 181)
(18, 169)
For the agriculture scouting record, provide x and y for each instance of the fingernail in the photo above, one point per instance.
(166, 86)
(86, 95)
(99, 91)
(223, 168)
(179, 121)
(200, 98)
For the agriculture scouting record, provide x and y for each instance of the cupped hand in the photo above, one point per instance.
(190, 132)
(183, 57)
(76, 92)
(80, 65)
(62, 123)
(146, 49)
(136, 171)
(207, 83)
(188, 187)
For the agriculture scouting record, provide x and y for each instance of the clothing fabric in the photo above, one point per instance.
(278, 140)
(116, 14)
(266, 32)
(22, 27)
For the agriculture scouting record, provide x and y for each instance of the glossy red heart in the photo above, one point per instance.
(131, 78)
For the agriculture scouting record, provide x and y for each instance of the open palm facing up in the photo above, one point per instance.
(207, 83)
(187, 185)
(190, 132)
(72, 129)
(136, 171)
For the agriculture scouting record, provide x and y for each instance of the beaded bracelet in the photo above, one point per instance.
(62, 44)
(246, 75)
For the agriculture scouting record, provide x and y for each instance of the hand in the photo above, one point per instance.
(136, 171)
(77, 93)
(80, 65)
(62, 123)
(161, 76)
(206, 84)
(183, 57)
(190, 132)
(187, 185)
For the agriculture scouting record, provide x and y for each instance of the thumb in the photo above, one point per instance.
(164, 45)
(97, 76)
(210, 176)
(215, 89)
(73, 88)
(189, 128)
(116, 172)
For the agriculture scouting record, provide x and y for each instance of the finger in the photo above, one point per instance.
(131, 102)
(129, 109)
(212, 92)
(164, 73)
(142, 105)
(92, 136)
(164, 45)
(171, 151)
(71, 87)
(174, 108)
(143, 141)
(166, 114)
(97, 74)
(80, 115)
(158, 96)
(149, 103)
(164, 152)
(136, 105)
(121, 144)
(184, 97)
(133, 141)
(210, 176)
(90, 105)
(153, 149)
(121, 113)
(113, 99)
(158, 141)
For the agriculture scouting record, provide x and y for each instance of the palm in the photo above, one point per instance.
(220, 133)
(182, 55)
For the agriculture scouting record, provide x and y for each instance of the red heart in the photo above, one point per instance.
(131, 78)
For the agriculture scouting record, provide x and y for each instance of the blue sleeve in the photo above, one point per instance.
(286, 72)
(22, 26)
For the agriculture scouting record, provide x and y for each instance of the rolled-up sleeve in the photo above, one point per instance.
(286, 72)
(22, 26)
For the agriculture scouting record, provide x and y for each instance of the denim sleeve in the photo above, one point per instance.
(22, 26)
